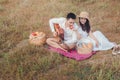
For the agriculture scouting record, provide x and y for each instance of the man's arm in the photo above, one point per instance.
(55, 20)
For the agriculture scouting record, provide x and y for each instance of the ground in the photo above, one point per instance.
(20, 60)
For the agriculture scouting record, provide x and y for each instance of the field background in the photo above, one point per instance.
(22, 61)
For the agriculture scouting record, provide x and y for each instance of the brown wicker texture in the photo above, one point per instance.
(85, 49)
(37, 38)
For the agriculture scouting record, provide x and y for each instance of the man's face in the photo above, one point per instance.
(70, 23)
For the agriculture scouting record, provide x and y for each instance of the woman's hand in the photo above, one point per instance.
(97, 44)
(94, 38)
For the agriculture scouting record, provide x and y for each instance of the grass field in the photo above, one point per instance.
(22, 61)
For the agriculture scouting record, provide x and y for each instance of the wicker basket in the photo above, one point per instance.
(37, 38)
(86, 49)
(84, 46)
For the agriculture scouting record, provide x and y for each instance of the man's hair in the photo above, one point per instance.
(71, 15)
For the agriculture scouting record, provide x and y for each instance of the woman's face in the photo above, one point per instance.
(83, 20)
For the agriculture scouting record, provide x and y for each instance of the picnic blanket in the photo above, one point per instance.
(72, 54)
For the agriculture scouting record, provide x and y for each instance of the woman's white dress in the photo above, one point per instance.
(104, 43)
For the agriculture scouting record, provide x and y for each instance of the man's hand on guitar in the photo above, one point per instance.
(55, 34)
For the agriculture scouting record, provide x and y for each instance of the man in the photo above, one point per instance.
(70, 37)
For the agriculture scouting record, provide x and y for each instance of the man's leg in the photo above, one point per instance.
(68, 46)
(71, 46)
(54, 43)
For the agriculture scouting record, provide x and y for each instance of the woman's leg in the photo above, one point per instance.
(104, 43)
(100, 35)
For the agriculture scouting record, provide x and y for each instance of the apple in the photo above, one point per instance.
(35, 33)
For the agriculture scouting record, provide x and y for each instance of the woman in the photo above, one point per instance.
(98, 40)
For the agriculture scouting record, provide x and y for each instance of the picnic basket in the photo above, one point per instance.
(37, 38)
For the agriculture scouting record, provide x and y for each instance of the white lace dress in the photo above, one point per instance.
(104, 43)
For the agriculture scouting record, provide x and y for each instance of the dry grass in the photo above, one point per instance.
(22, 61)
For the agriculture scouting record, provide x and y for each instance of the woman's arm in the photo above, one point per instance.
(93, 37)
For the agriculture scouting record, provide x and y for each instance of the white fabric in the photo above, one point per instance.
(85, 40)
(82, 33)
(104, 43)
(69, 35)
